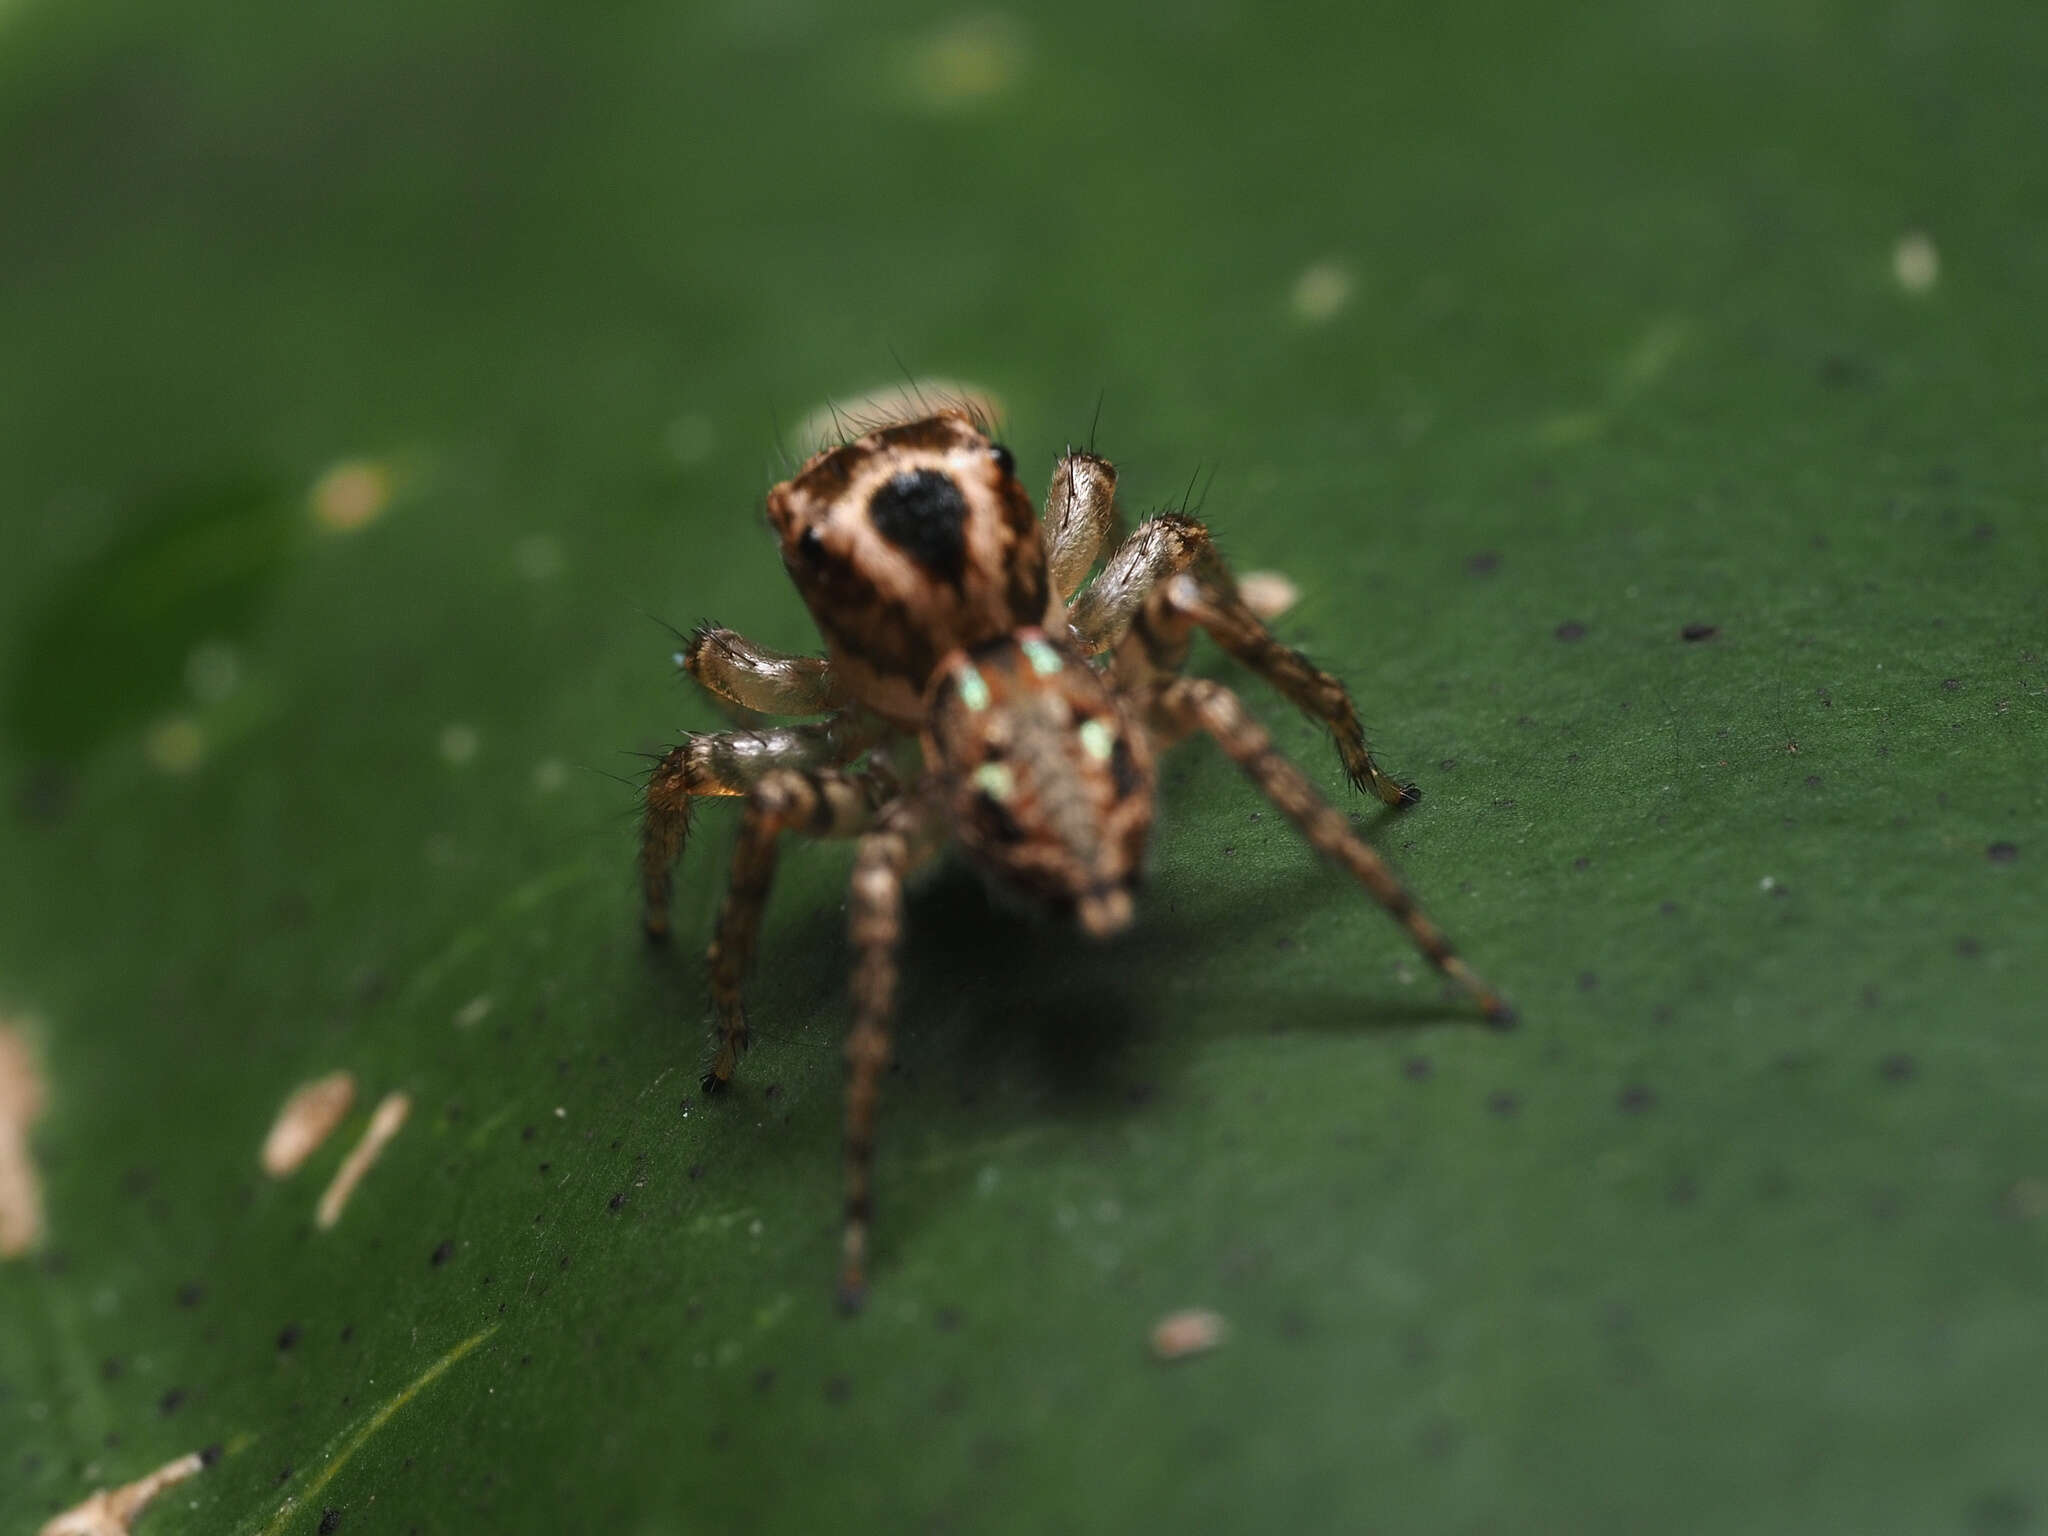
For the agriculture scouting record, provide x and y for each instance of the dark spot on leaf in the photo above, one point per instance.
(110, 1369)
(1968, 947)
(1683, 1190)
(1588, 981)
(443, 1252)
(617, 1201)
(284, 1475)
(1839, 372)
(190, 1295)
(288, 1336)
(837, 1389)
(527, 1133)
(210, 1454)
(764, 1378)
(1485, 563)
(1504, 1104)
(2001, 1512)
(1448, 764)
(1667, 908)
(1696, 632)
(696, 1172)
(1571, 629)
(1983, 533)
(2002, 853)
(1951, 685)
(1418, 1069)
(1898, 1068)
(948, 1319)
(1635, 1099)
(1582, 862)
(1813, 781)
(330, 1521)
(171, 1401)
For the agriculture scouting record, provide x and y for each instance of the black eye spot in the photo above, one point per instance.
(922, 513)
(1006, 461)
(994, 821)
(811, 545)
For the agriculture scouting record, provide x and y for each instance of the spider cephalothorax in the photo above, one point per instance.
(975, 692)
(907, 544)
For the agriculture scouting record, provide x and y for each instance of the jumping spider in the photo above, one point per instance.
(954, 618)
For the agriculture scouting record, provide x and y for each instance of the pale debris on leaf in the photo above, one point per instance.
(1267, 593)
(308, 1118)
(351, 495)
(1192, 1331)
(21, 1103)
(111, 1511)
(384, 1124)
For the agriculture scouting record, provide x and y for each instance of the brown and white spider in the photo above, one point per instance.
(954, 619)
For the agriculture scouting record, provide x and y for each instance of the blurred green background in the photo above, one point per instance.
(373, 378)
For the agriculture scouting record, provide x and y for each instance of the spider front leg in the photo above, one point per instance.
(729, 666)
(1169, 577)
(1080, 512)
(827, 803)
(875, 924)
(1192, 703)
(725, 763)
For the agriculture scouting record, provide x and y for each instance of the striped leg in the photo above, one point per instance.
(1080, 512)
(729, 666)
(826, 803)
(725, 763)
(1167, 578)
(1190, 703)
(876, 926)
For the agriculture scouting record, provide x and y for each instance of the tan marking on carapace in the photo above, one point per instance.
(22, 1096)
(111, 1511)
(307, 1118)
(1192, 1331)
(384, 1124)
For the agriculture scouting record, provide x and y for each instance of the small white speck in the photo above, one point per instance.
(754, 1228)
(537, 557)
(176, 745)
(561, 1113)
(458, 743)
(1067, 1217)
(1916, 264)
(549, 775)
(1768, 883)
(351, 495)
(690, 439)
(986, 1181)
(212, 671)
(1107, 1210)
(1321, 292)
(965, 61)
(473, 1012)
(1190, 1332)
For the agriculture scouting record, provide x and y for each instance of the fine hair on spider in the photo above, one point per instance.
(977, 689)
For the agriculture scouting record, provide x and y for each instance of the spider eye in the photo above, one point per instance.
(811, 544)
(1006, 461)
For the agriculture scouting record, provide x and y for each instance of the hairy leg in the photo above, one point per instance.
(875, 923)
(1195, 703)
(1080, 512)
(1168, 578)
(825, 803)
(731, 667)
(724, 763)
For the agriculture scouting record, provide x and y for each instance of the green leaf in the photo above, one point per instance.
(1647, 401)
